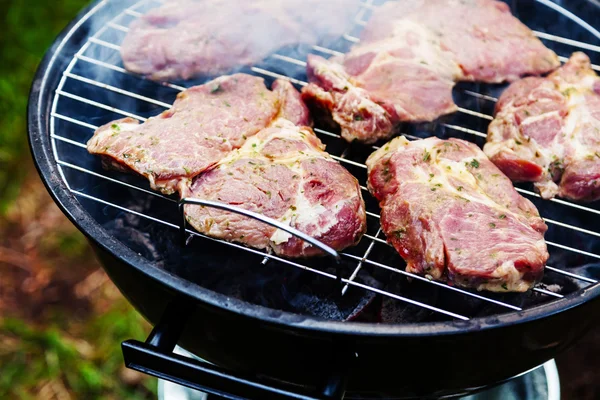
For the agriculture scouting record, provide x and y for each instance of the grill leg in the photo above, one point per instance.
(166, 333)
(335, 386)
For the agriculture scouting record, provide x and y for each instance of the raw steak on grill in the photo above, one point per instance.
(452, 215)
(410, 55)
(185, 38)
(547, 131)
(281, 172)
(205, 124)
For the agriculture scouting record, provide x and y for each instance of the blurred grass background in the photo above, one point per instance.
(61, 319)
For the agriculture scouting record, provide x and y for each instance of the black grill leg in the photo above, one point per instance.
(166, 333)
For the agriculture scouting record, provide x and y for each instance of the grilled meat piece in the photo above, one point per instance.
(547, 131)
(185, 38)
(452, 215)
(205, 124)
(410, 55)
(368, 107)
(281, 172)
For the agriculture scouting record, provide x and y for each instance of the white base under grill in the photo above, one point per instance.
(541, 383)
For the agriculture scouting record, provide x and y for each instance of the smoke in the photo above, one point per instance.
(190, 41)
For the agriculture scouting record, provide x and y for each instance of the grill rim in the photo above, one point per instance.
(41, 94)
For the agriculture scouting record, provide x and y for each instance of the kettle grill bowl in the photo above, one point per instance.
(297, 348)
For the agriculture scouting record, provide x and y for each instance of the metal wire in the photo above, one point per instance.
(80, 57)
(269, 221)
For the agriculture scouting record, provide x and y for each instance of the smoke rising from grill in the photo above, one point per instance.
(184, 39)
(190, 41)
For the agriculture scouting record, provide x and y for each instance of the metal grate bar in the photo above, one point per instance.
(466, 130)
(370, 214)
(352, 39)
(345, 160)
(571, 16)
(87, 171)
(570, 274)
(582, 252)
(564, 59)
(276, 75)
(133, 13)
(559, 201)
(475, 113)
(66, 140)
(360, 262)
(289, 60)
(328, 51)
(117, 90)
(105, 43)
(118, 27)
(74, 121)
(376, 239)
(548, 293)
(575, 228)
(99, 105)
(480, 96)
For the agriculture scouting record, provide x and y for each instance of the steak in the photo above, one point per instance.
(185, 38)
(283, 173)
(453, 216)
(204, 124)
(547, 131)
(410, 56)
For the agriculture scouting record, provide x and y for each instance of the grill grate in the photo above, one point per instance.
(100, 53)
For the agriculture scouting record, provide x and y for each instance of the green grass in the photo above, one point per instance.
(28, 29)
(87, 366)
(61, 350)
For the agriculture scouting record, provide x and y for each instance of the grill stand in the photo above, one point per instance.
(156, 357)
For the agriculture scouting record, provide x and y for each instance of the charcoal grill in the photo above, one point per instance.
(313, 328)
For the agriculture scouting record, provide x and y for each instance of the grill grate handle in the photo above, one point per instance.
(156, 357)
(269, 221)
(262, 218)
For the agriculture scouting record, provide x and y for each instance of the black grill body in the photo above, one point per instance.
(263, 338)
